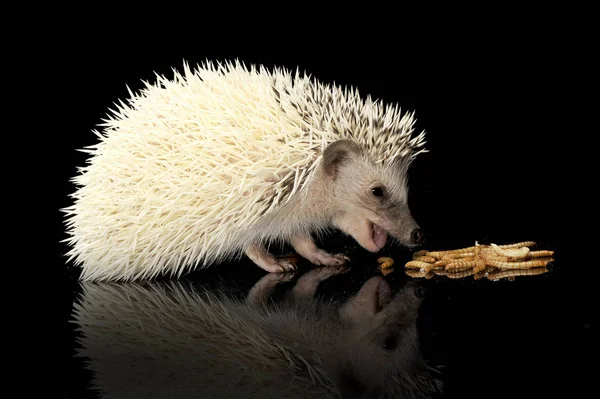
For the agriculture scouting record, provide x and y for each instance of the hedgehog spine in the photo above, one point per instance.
(187, 166)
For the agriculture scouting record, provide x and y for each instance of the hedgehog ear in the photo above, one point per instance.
(337, 153)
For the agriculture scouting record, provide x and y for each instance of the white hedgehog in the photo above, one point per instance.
(224, 160)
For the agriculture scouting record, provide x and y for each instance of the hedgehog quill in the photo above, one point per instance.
(226, 159)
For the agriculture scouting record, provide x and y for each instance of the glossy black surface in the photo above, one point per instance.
(494, 173)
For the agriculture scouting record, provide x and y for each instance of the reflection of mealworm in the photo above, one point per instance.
(538, 262)
(419, 273)
(386, 271)
(480, 266)
(385, 262)
(515, 273)
(479, 275)
(461, 274)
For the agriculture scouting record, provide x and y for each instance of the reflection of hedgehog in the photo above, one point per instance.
(168, 340)
(225, 159)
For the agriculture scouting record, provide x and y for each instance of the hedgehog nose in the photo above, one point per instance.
(417, 236)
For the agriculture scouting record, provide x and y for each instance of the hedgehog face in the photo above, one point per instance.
(370, 200)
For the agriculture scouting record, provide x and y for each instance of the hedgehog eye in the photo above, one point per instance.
(377, 191)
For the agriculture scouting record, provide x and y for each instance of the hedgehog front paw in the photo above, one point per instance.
(323, 258)
(278, 265)
(306, 247)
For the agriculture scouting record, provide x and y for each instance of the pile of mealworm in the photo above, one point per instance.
(491, 261)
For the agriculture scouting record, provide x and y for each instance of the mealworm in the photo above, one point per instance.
(415, 264)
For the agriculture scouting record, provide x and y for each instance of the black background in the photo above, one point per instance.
(500, 103)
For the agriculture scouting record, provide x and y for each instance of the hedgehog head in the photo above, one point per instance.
(369, 199)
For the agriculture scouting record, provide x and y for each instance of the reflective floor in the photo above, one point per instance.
(235, 331)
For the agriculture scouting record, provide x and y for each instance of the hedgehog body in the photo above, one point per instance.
(224, 159)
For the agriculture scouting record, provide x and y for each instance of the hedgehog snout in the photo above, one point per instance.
(408, 232)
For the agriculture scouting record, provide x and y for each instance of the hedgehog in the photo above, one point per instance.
(225, 160)
(174, 339)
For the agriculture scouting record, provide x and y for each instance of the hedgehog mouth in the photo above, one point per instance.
(378, 236)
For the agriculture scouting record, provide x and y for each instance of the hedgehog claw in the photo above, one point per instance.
(287, 266)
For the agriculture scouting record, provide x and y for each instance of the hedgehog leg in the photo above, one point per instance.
(305, 246)
(259, 255)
